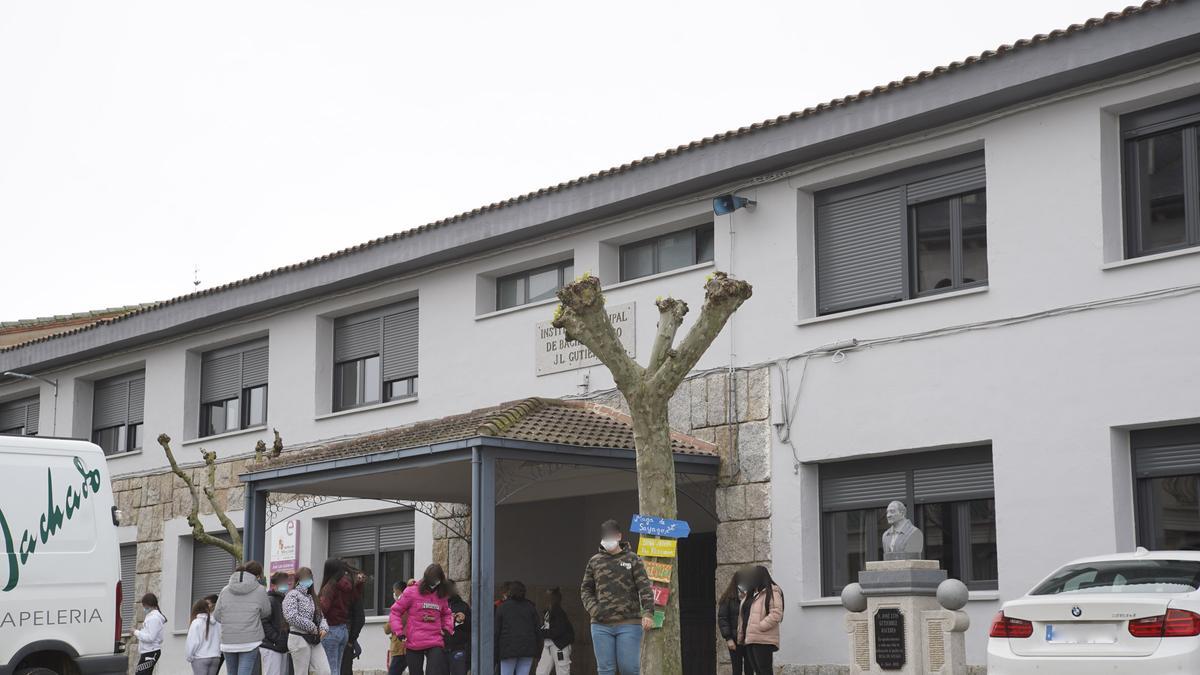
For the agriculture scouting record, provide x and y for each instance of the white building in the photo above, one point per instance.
(1010, 240)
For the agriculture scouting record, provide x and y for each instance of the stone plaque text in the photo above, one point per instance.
(555, 353)
(889, 639)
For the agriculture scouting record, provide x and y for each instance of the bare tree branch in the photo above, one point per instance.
(277, 446)
(582, 317)
(234, 546)
(722, 297)
(670, 316)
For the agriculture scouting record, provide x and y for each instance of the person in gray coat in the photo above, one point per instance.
(241, 607)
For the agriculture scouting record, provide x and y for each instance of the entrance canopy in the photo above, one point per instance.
(533, 449)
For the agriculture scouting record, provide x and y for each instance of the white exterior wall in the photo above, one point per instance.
(1052, 396)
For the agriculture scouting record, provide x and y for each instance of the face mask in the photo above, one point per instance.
(305, 584)
(282, 588)
(610, 544)
(743, 587)
(433, 584)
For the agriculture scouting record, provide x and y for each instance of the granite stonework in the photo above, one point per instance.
(896, 621)
(735, 419)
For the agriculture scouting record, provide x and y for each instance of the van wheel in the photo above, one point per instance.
(36, 671)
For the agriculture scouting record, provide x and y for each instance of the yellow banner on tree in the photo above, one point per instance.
(653, 547)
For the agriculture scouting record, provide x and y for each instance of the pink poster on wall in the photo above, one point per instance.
(285, 547)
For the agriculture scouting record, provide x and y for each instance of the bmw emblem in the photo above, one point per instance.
(1076, 612)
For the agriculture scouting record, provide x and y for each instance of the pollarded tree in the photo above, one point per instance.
(234, 545)
(647, 390)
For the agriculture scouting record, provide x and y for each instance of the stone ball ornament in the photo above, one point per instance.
(952, 594)
(853, 598)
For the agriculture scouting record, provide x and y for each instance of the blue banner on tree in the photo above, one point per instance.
(660, 527)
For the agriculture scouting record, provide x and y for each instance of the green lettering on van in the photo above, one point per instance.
(50, 523)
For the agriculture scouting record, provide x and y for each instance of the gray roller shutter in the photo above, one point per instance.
(110, 405)
(137, 400)
(959, 182)
(860, 251)
(953, 483)
(347, 539)
(220, 378)
(400, 345)
(398, 536)
(128, 585)
(844, 493)
(254, 367)
(1170, 451)
(356, 339)
(20, 413)
(211, 567)
(225, 372)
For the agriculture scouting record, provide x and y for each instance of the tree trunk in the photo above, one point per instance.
(656, 497)
(582, 317)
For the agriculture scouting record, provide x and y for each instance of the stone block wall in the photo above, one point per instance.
(732, 412)
(149, 500)
(452, 544)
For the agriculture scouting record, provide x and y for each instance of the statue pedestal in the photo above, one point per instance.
(899, 622)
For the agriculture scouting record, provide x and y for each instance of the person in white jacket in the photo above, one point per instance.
(149, 636)
(203, 640)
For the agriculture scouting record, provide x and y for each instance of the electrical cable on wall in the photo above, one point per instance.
(838, 351)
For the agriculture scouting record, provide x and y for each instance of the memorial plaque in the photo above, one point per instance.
(889, 639)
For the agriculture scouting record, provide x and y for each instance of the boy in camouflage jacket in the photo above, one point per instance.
(617, 595)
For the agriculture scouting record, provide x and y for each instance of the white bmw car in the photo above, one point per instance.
(1136, 614)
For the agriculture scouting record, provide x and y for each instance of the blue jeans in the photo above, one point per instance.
(241, 663)
(335, 644)
(617, 647)
(518, 666)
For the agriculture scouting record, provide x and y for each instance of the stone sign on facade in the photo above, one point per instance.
(555, 353)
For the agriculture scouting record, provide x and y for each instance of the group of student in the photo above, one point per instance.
(257, 625)
(748, 614)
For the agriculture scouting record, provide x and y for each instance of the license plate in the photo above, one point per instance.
(1081, 633)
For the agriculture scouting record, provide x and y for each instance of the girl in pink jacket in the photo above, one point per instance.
(422, 615)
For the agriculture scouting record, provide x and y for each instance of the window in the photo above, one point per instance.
(375, 356)
(949, 495)
(1166, 464)
(379, 545)
(533, 285)
(912, 233)
(211, 568)
(1124, 576)
(117, 413)
(1162, 185)
(20, 417)
(128, 581)
(233, 388)
(667, 252)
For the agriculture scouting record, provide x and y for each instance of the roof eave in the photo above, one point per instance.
(1016, 77)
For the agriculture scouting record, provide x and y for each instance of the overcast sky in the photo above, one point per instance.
(139, 140)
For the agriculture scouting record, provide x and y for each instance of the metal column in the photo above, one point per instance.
(483, 560)
(254, 527)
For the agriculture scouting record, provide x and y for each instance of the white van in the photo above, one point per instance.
(60, 568)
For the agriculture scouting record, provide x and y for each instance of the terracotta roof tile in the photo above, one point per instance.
(842, 102)
(543, 420)
(21, 331)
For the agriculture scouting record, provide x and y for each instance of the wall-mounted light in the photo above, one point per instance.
(726, 204)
